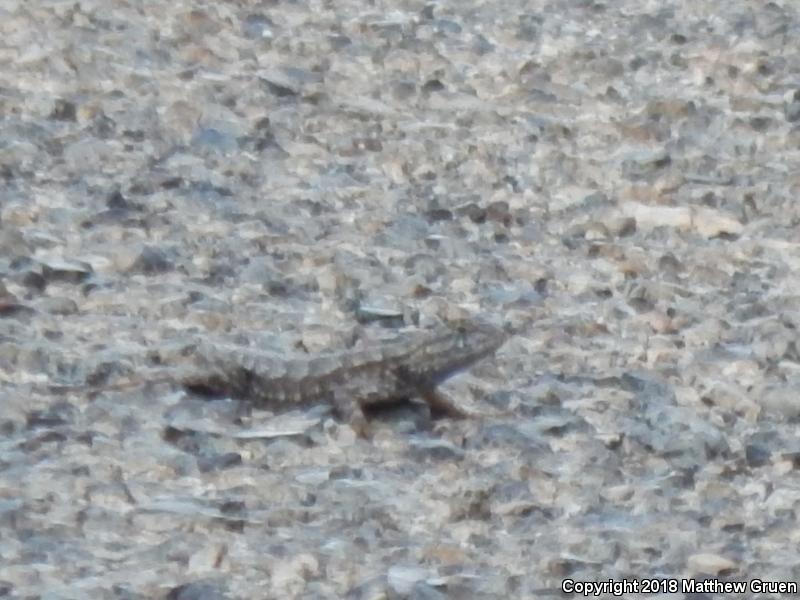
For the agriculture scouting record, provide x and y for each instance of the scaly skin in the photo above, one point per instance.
(354, 380)
(351, 381)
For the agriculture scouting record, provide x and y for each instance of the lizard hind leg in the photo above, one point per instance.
(348, 410)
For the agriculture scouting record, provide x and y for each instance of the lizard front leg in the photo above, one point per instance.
(440, 403)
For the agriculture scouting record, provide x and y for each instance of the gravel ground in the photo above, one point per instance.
(613, 180)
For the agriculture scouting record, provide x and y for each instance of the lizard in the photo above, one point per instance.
(350, 381)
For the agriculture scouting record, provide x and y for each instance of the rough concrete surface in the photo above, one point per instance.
(616, 182)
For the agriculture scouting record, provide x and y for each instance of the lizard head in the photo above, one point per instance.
(457, 348)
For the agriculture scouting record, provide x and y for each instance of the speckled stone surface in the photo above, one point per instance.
(616, 181)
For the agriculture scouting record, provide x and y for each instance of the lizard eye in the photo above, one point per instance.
(462, 338)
